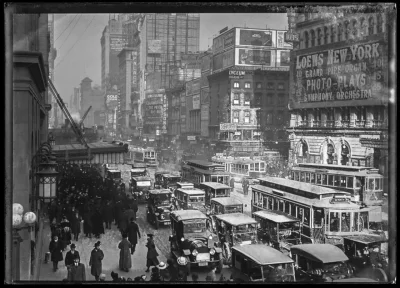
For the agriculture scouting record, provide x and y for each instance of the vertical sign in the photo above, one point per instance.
(164, 122)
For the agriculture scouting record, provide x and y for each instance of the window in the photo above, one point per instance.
(306, 220)
(319, 36)
(300, 213)
(319, 179)
(257, 97)
(325, 35)
(308, 177)
(346, 30)
(345, 222)
(363, 26)
(287, 207)
(334, 224)
(247, 117)
(296, 176)
(236, 85)
(236, 99)
(343, 181)
(258, 85)
(281, 86)
(281, 205)
(306, 39)
(318, 217)
(356, 224)
(292, 209)
(340, 32)
(330, 180)
(349, 182)
(312, 38)
(269, 118)
(333, 32)
(371, 26)
(279, 117)
(336, 181)
(302, 177)
(269, 203)
(379, 25)
(247, 85)
(312, 178)
(235, 116)
(354, 28)
(270, 85)
(247, 99)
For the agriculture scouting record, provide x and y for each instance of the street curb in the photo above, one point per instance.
(38, 258)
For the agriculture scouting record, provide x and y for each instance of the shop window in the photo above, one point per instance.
(334, 222)
(345, 222)
(247, 85)
(236, 99)
(235, 116)
(236, 85)
(258, 85)
(318, 217)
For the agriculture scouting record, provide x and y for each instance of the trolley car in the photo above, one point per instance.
(198, 171)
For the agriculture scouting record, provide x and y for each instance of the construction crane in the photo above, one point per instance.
(74, 126)
(84, 116)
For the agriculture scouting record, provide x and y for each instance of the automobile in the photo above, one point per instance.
(261, 263)
(193, 239)
(159, 206)
(139, 169)
(320, 263)
(278, 229)
(158, 181)
(223, 205)
(139, 187)
(115, 176)
(366, 256)
(190, 198)
(214, 190)
(184, 185)
(168, 180)
(232, 230)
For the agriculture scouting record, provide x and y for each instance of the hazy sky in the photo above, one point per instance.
(77, 40)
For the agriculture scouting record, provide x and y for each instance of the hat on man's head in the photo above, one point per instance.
(77, 257)
(73, 245)
(114, 275)
(150, 235)
(97, 244)
(161, 266)
(102, 276)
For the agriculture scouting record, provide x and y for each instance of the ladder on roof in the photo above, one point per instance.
(74, 126)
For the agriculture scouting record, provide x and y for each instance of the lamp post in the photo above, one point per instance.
(20, 221)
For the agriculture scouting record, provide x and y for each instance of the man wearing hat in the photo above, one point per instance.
(162, 270)
(133, 233)
(151, 253)
(96, 257)
(76, 272)
(70, 256)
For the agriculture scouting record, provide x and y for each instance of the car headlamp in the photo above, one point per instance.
(210, 237)
(157, 214)
(212, 251)
(140, 193)
(195, 252)
(182, 239)
(162, 216)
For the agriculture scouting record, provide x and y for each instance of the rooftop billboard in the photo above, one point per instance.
(256, 37)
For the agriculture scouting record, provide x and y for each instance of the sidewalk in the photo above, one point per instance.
(245, 199)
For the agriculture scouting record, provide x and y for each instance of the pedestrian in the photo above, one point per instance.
(95, 260)
(76, 225)
(162, 271)
(56, 250)
(133, 233)
(108, 214)
(52, 210)
(130, 213)
(125, 261)
(135, 206)
(66, 237)
(211, 277)
(97, 221)
(151, 253)
(155, 275)
(123, 222)
(87, 223)
(232, 183)
(76, 272)
(70, 256)
(172, 270)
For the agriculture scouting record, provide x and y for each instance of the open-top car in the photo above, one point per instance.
(140, 187)
(366, 256)
(234, 229)
(278, 229)
(192, 238)
(320, 263)
(214, 190)
(159, 206)
(261, 263)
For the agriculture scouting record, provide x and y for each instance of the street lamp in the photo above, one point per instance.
(52, 141)
(47, 179)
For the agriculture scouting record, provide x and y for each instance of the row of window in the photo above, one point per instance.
(245, 168)
(343, 31)
(259, 85)
(246, 118)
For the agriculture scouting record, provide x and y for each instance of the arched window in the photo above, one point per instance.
(330, 153)
(333, 32)
(306, 39)
(379, 24)
(363, 26)
(312, 38)
(319, 36)
(325, 35)
(354, 28)
(346, 30)
(344, 155)
(371, 26)
(340, 32)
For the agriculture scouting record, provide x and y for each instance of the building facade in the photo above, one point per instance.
(31, 48)
(90, 97)
(340, 91)
(244, 60)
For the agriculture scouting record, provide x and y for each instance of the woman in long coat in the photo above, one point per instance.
(56, 249)
(151, 253)
(125, 262)
(95, 261)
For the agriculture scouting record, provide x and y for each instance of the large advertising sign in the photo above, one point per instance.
(206, 63)
(249, 56)
(227, 127)
(224, 60)
(256, 37)
(283, 58)
(354, 72)
(280, 40)
(164, 114)
(193, 87)
(134, 69)
(117, 43)
(224, 41)
(154, 47)
(196, 102)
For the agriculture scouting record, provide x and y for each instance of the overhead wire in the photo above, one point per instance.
(67, 27)
(70, 32)
(75, 42)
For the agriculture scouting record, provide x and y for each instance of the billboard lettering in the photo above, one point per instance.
(280, 40)
(251, 37)
(354, 72)
(291, 37)
(227, 127)
(224, 41)
(117, 44)
(224, 60)
(254, 57)
(154, 47)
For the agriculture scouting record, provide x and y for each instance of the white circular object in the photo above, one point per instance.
(18, 209)
(29, 217)
(182, 260)
(17, 220)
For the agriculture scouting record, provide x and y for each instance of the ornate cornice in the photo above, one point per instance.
(34, 62)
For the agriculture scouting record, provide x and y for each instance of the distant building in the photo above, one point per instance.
(90, 97)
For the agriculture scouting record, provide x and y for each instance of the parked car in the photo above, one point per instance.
(159, 206)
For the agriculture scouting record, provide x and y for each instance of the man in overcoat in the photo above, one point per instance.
(87, 222)
(76, 225)
(130, 213)
(108, 214)
(56, 249)
(76, 272)
(70, 256)
(125, 261)
(133, 233)
(96, 256)
(151, 253)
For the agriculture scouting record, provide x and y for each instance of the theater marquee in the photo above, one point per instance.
(353, 72)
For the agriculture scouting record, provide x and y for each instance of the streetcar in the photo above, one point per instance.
(364, 183)
(199, 171)
(326, 215)
(144, 155)
(214, 190)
